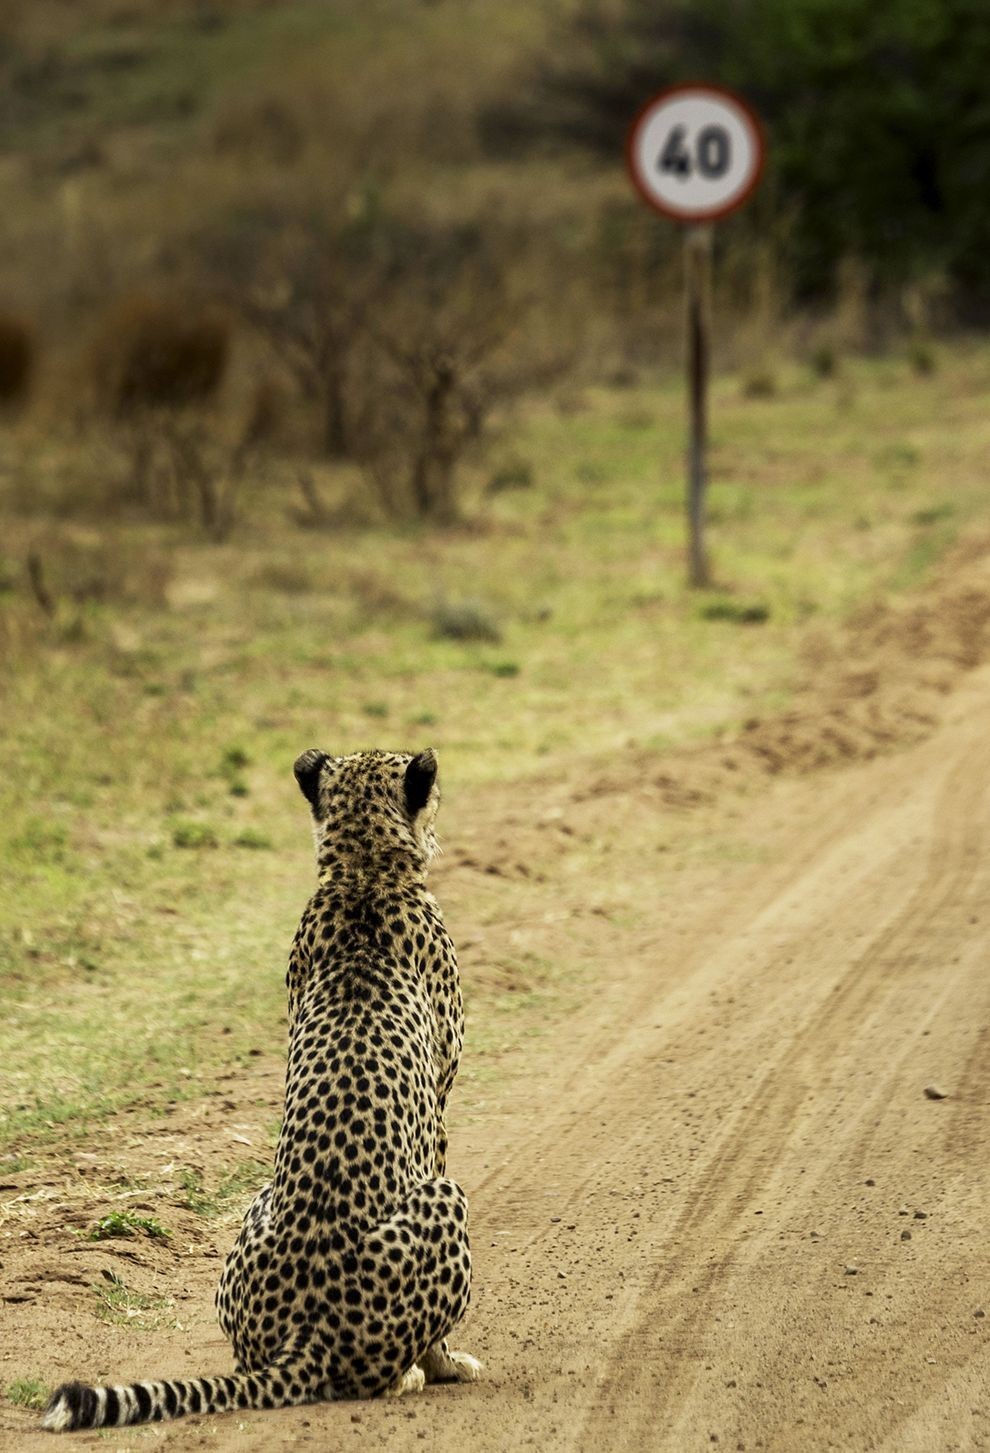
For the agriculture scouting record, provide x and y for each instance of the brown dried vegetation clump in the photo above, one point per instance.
(157, 352)
(17, 358)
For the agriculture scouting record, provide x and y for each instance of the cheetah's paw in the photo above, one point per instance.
(468, 1368)
(412, 1381)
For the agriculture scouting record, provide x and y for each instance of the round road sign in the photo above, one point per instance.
(695, 153)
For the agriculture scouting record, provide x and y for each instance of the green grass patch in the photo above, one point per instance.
(934, 514)
(233, 1187)
(122, 1306)
(126, 1223)
(28, 1392)
(738, 612)
(188, 834)
(47, 1115)
(253, 837)
(14, 1164)
(939, 532)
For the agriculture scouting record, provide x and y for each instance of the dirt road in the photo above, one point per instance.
(719, 1209)
(739, 1220)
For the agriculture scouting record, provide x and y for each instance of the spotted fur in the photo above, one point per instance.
(352, 1265)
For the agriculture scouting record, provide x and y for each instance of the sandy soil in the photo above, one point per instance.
(716, 1207)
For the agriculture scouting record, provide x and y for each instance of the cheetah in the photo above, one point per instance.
(353, 1264)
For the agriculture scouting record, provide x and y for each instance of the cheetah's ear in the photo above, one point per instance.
(307, 769)
(420, 777)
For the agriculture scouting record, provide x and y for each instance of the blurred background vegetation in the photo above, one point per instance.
(341, 403)
(243, 237)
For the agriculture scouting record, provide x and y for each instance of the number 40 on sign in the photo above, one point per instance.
(695, 153)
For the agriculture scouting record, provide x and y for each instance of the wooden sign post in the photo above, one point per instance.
(695, 154)
(697, 287)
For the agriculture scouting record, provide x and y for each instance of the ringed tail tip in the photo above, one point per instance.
(71, 1406)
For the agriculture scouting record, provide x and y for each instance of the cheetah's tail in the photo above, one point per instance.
(75, 1405)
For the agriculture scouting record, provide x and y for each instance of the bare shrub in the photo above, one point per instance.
(921, 355)
(157, 364)
(265, 413)
(376, 595)
(824, 358)
(759, 382)
(392, 327)
(200, 486)
(304, 281)
(39, 588)
(315, 514)
(433, 401)
(449, 350)
(179, 468)
(428, 414)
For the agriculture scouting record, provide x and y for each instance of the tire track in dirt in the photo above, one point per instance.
(969, 1129)
(567, 1126)
(722, 1194)
(585, 1084)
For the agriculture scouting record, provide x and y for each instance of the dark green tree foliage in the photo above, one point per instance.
(878, 115)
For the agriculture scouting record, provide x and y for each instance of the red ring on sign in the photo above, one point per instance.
(726, 208)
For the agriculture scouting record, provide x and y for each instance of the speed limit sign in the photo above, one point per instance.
(695, 153)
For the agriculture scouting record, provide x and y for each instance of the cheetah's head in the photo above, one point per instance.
(371, 806)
